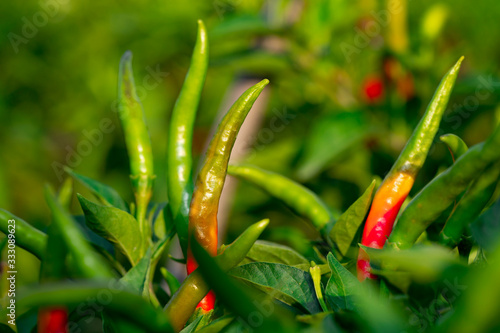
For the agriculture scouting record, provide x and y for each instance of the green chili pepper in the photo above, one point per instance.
(121, 302)
(456, 146)
(194, 288)
(210, 181)
(471, 205)
(295, 195)
(440, 193)
(86, 261)
(399, 181)
(137, 141)
(179, 155)
(27, 236)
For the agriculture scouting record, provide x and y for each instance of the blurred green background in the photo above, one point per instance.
(353, 78)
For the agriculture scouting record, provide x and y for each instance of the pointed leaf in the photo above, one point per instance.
(191, 328)
(486, 228)
(104, 193)
(217, 325)
(86, 261)
(135, 279)
(263, 251)
(346, 227)
(342, 287)
(295, 284)
(115, 225)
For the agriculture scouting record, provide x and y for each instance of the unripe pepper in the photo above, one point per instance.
(399, 181)
(28, 237)
(471, 205)
(210, 181)
(137, 141)
(179, 156)
(295, 195)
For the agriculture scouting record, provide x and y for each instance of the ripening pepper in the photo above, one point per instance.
(399, 181)
(210, 181)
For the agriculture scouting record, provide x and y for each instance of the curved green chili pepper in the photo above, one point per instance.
(295, 195)
(471, 205)
(116, 300)
(137, 141)
(455, 144)
(193, 289)
(399, 181)
(28, 237)
(210, 181)
(179, 155)
(87, 262)
(440, 193)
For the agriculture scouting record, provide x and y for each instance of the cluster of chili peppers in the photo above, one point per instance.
(194, 207)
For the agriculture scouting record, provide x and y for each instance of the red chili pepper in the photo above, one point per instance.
(53, 320)
(373, 89)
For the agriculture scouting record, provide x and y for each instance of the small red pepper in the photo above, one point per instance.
(53, 320)
(373, 89)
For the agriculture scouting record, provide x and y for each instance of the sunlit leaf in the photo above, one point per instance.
(342, 286)
(115, 225)
(344, 231)
(293, 283)
(104, 193)
(265, 251)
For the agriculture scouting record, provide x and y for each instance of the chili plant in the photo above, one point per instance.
(111, 260)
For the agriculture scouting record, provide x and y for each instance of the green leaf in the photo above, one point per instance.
(86, 262)
(342, 287)
(107, 195)
(135, 279)
(115, 225)
(290, 284)
(263, 251)
(344, 231)
(192, 326)
(173, 283)
(66, 192)
(486, 228)
(424, 263)
(320, 322)
(217, 325)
